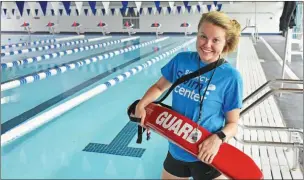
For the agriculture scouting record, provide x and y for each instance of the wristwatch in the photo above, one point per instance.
(221, 135)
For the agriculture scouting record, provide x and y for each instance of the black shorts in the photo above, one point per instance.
(197, 170)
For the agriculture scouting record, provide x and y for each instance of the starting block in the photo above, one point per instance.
(77, 26)
(129, 26)
(157, 27)
(186, 26)
(27, 28)
(104, 28)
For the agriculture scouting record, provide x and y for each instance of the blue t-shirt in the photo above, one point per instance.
(224, 94)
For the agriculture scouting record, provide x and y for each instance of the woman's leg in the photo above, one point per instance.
(175, 169)
(201, 170)
(166, 175)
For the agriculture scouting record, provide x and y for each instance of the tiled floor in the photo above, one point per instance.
(275, 162)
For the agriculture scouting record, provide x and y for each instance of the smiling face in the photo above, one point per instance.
(211, 40)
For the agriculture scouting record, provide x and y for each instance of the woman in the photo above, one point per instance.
(215, 108)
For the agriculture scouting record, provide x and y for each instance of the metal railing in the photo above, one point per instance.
(283, 90)
(294, 143)
(287, 81)
(254, 33)
(271, 128)
(269, 93)
(261, 99)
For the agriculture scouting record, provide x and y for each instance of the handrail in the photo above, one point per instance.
(266, 95)
(296, 146)
(291, 81)
(247, 27)
(298, 130)
(266, 143)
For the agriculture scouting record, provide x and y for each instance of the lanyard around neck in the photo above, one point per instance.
(206, 88)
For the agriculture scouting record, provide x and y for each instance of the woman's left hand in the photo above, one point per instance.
(209, 148)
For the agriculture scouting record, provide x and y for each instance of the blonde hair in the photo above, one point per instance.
(232, 28)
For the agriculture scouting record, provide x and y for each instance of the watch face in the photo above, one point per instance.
(224, 135)
(221, 135)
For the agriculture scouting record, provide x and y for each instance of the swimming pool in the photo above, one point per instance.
(94, 139)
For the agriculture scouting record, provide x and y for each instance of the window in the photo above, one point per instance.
(299, 21)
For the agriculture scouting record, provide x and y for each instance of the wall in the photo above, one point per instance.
(268, 15)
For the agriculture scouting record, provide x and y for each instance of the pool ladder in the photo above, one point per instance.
(294, 133)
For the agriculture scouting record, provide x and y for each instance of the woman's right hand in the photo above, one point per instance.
(140, 112)
(151, 95)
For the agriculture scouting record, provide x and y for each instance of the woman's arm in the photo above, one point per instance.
(209, 147)
(232, 118)
(155, 91)
(150, 96)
